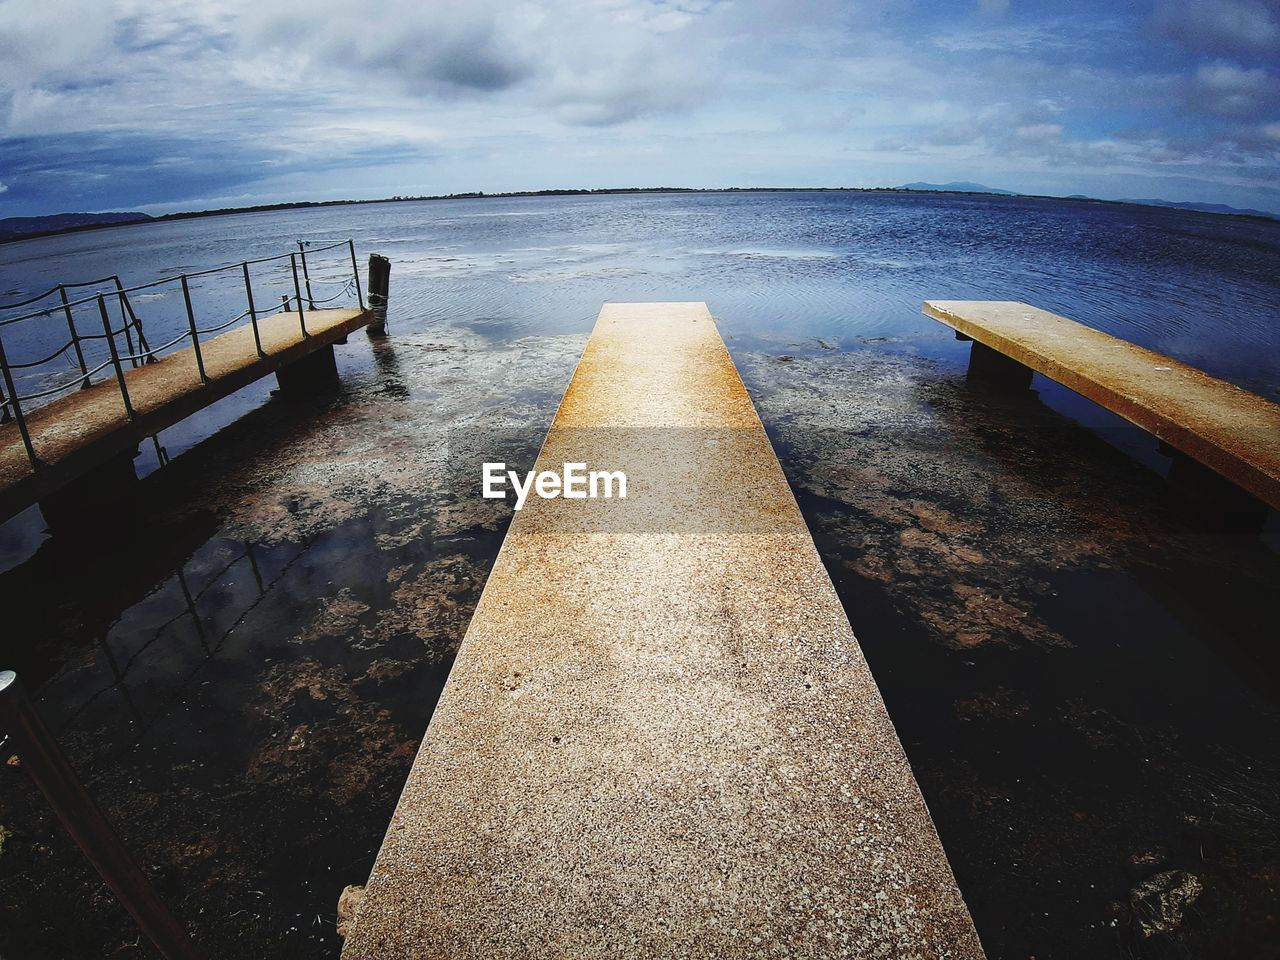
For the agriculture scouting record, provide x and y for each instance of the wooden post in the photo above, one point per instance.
(379, 287)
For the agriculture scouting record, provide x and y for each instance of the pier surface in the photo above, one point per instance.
(89, 427)
(1227, 429)
(660, 737)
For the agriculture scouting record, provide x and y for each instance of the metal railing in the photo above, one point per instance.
(15, 405)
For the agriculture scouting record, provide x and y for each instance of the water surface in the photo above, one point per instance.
(1082, 674)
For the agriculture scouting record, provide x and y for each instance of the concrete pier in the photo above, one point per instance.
(82, 437)
(660, 737)
(1222, 428)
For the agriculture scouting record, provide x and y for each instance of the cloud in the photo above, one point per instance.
(593, 63)
(1039, 133)
(1229, 90)
(3, 186)
(137, 102)
(1219, 26)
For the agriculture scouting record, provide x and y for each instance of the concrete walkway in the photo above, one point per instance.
(1231, 431)
(660, 738)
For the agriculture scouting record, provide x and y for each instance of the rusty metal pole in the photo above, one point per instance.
(128, 337)
(115, 358)
(17, 410)
(75, 337)
(253, 313)
(355, 272)
(195, 334)
(297, 292)
(45, 762)
(133, 317)
(306, 275)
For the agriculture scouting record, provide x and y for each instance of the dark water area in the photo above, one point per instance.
(1084, 676)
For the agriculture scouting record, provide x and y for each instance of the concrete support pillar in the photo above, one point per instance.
(992, 367)
(316, 371)
(93, 498)
(1219, 501)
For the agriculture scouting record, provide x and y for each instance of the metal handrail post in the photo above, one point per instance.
(306, 275)
(195, 334)
(128, 337)
(137, 324)
(297, 292)
(75, 337)
(253, 313)
(17, 409)
(115, 357)
(355, 272)
(47, 766)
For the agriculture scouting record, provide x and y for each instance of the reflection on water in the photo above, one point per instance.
(1080, 675)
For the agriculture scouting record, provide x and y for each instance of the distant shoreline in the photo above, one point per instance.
(610, 191)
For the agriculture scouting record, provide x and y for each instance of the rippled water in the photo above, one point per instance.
(1083, 680)
(837, 266)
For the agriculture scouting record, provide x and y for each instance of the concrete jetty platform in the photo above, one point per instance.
(660, 737)
(1228, 430)
(90, 429)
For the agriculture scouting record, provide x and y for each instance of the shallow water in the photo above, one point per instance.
(1080, 674)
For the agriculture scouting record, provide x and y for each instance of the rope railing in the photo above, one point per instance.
(152, 283)
(12, 400)
(52, 290)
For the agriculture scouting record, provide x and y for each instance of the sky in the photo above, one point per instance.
(164, 105)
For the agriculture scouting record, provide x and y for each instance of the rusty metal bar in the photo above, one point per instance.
(17, 409)
(355, 273)
(128, 337)
(253, 313)
(75, 337)
(195, 334)
(306, 275)
(115, 356)
(137, 324)
(47, 766)
(297, 292)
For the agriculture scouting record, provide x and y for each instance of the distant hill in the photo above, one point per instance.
(958, 186)
(1204, 207)
(13, 227)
